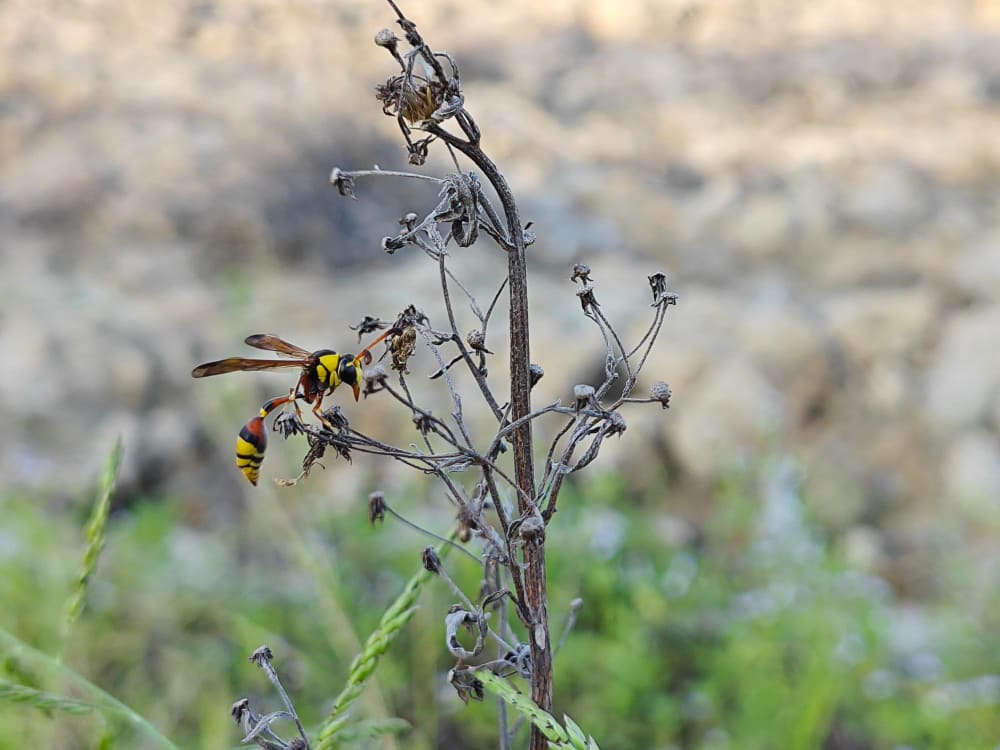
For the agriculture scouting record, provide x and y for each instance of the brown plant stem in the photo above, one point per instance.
(520, 398)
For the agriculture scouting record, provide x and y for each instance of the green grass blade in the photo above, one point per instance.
(95, 532)
(28, 696)
(395, 617)
(12, 646)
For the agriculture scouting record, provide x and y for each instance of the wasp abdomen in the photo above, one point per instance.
(250, 446)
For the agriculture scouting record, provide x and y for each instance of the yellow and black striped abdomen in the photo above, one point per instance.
(250, 446)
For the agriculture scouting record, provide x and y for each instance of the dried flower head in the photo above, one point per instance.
(423, 421)
(369, 324)
(343, 182)
(287, 424)
(402, 346)
(658, 283)
(385, 38)
(261, 655)
(334, 419)
(581, 273)
(240, 707)
(476, 339)
(466, 684)
(660, 391)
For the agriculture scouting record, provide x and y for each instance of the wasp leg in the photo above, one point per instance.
(323, 420)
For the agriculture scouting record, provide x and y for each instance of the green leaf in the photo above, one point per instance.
(12, 647)
(576, 735)
(543, 720)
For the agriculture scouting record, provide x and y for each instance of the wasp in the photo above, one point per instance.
(321, 372)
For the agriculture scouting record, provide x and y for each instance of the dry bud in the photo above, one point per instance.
(343, 182)
(587, 298)
(584, 395)
(658, 283)
(261, 656)
(432, 562)
(424, 422)
(536, 373)
(376, 507)
(661, 392)
(616, 424)
(385, 38)
(375, 375)
(477, 340)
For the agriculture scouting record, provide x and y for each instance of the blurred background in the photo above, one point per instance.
(800, 553)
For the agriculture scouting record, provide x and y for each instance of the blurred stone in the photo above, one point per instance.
(761, 227)
(972, 470)
(977, 270)
(965, 371)
(872, 324)
(887, 197)
(719, 423)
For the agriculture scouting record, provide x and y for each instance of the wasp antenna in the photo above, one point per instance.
(367, 351)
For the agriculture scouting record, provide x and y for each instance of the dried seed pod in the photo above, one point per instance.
(476, 339)
(660, 391)
(402, 347)
(385, 38)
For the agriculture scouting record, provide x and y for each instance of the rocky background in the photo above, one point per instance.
(820, 181)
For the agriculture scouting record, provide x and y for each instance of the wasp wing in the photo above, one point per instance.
(237, 364)
(271, 343)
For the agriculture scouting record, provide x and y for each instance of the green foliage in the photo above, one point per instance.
(398, 614)
(94, 534)
(41, 700)
(569, 737)
(734, 637)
